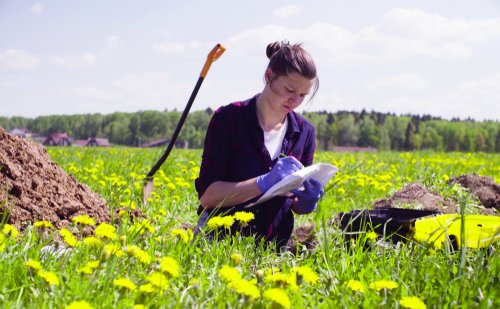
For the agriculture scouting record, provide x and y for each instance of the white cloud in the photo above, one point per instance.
(75, 62)
(113, 42)
(18, 59)
(287, 11)
(96, 93)
(175, 47)
(37, 8)
(405, 82)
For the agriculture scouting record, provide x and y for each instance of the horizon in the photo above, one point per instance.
(398, 57)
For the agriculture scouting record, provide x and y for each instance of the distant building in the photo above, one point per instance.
(57, 139)
(21, 132)
(353, 149)
(92, 142)
(164, 142)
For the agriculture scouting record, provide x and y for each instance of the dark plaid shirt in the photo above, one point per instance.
(234, 151)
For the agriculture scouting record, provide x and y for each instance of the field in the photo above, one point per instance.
(152, 262)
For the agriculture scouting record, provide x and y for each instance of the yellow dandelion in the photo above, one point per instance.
(383, 284)
(79, 305)
(89, 267)
(2, 242)
(43, 224)
(356, 286)
(92, 241)
(34, 265)
(105, 230)
(139, 306)
(282, 280)
(305, 274)
(236, 258)
(49, 277)
(277, 296)
(244, 217)
(371, 235)
(139, 254)
(217, 222)
(146, 288)
(182, 235)
(158, 280)
(245, 288)
(229, 273)
(169, 266)
(83, 220)
(68, 237)
(10, 231)
(113, 249)
(412, 302)
(125, 283)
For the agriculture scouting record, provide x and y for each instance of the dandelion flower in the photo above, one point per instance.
(49, 277)
(2, 242)
(125, 283)
(34, 265)
(305, 274)
(229, 273)
(244, 217)
(139, 306)
(79, 305)
(10, 230)
(83, 220)
(383, 284)
(283, 280)
(217, 222)
(169, 266)
(182, 235)
(105, 230)
(113, 249)
(356, 286)
(158, 280)
(245, 288)
(139, 254)
(236, 258)
(43, 224)
(371, 235)
(68, 237)
(92, 241)
(412, 302)
(278, 296)
(146, 288)
(89, 267)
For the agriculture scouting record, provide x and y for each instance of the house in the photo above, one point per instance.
(21, 132)
(58, 139)
(353, 149)
(92, 142)
(164, 142)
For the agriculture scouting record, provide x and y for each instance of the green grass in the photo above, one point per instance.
(440, 278)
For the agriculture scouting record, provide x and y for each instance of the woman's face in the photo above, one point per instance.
(287, 92)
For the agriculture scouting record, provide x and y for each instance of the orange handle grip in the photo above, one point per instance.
(214, 54)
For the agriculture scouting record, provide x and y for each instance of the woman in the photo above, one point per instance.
(253, 144)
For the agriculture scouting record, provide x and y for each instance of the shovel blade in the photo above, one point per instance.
(147, 189)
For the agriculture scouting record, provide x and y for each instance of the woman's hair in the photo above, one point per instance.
(285, 59)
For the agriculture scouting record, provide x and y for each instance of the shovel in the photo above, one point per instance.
(148, 187)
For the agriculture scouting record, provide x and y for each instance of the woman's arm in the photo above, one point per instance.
(226, 194)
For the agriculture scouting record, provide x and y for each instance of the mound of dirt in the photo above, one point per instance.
(304, 235)
(34, 188)
(415, 194)
(484, 188)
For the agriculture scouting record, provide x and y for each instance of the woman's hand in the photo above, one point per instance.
(309, 197)
(282, 168)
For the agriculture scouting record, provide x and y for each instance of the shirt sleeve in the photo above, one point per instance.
(216, 152)
(309, 147)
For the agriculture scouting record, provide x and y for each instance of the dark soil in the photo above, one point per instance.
(484, 188)
(303, 236)
(414, 194)
(34, 188)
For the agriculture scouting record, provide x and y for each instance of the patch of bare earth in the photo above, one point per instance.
(484, 188)
(34, 188)
(303, 236)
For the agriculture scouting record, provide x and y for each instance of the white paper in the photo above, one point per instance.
(321, 172)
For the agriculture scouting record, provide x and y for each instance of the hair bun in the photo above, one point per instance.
(272, 48)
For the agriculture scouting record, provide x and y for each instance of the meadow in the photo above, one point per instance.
(152, 262)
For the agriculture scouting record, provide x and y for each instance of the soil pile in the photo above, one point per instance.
(416, 195)
(484, 188)
(305, 236)
(34, 188)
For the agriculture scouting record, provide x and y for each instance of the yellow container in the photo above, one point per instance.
(480, 231)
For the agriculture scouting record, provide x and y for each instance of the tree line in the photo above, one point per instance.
(384, 131)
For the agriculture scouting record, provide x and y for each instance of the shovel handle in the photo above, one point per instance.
(214, 54)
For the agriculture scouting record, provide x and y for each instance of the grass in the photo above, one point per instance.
(386, 274)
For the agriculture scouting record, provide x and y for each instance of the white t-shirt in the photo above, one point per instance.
(274, 139)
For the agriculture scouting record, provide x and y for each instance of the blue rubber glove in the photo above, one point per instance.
(309, 197)
(282, 168)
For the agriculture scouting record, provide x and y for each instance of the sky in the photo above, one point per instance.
(439, 58)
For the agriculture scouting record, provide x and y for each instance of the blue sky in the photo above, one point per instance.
(422, 57)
